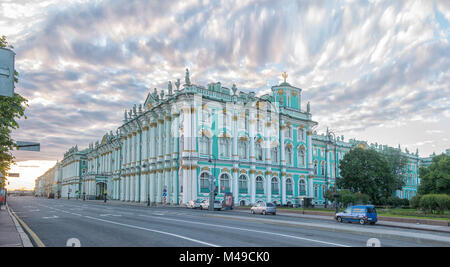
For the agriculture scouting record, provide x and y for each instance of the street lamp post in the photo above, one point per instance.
(212, 185)
(336, 194)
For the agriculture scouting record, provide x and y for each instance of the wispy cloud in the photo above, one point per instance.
(361, 64)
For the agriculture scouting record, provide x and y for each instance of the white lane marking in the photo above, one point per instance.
(251, 230)
(156, 231)
(35, 210)
(53, 217)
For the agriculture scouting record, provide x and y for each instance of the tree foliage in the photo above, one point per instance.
(368, 172)
(397, 162)
(11, 109)
(435, 179)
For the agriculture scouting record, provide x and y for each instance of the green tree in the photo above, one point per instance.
(397, 162)
(368, 172)
(11, 109)
(435, 179)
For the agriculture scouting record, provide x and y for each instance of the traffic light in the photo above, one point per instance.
(215, 191)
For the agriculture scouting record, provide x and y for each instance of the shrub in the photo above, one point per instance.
(434, 202)
(442, 202)
(347, 197)
(415, 202)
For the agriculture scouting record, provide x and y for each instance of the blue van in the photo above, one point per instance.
(361, 213)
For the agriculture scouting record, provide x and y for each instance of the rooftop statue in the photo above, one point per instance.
(186, 78)
(234, 88)
(284, 76)
(177, 84)
(169, 88)
(308, 108)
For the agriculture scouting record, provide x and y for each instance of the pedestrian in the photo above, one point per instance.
(105, 194)
(2, 197)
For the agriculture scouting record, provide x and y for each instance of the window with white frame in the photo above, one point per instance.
(224, 183)
(288, 132)
(289, 190)
(204, 145)
(300, 134)
(315, 167)
(301, 156)
(274, 154)
(243, 149)
(224, 145)
(243, 184)
(322, 168)
(259, 184)
(258, 151)
(288, 155)
(302, 187)
(204, 183)
(275, 186)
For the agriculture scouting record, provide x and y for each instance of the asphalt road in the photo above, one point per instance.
(93, 224)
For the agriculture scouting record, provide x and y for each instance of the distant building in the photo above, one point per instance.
(426, 162)
(44, 183)
(258, 148)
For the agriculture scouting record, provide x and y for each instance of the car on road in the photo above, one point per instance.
(205, 205)
(264, 208)
(194, 204)
(362, 213)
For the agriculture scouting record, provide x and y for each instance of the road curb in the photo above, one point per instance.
(416, 237)
(26, 242)
(23, 233)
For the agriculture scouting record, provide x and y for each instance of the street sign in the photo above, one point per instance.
(29, 146)
(6, 72)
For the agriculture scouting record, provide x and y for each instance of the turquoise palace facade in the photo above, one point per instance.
(260, 148)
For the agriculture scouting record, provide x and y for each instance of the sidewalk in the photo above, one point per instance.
(9, 234)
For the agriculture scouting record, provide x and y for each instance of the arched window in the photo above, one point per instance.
(301, 157)
(274, 154)
(204, 145)
(288, 155)
(243, 184)
(322, 168)
(315, 167)
(259, 185)
(289, 186)
(258, 151)
(204, 182)
(302, 188)
(316, 191)
(275, 186)
(224, 183)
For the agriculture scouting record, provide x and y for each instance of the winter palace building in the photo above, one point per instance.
(258, 148)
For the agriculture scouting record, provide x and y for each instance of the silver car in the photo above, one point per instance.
(193, 204)
(264, 208)
(205, 205)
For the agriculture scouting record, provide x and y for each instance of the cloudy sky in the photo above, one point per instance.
(372, 70)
